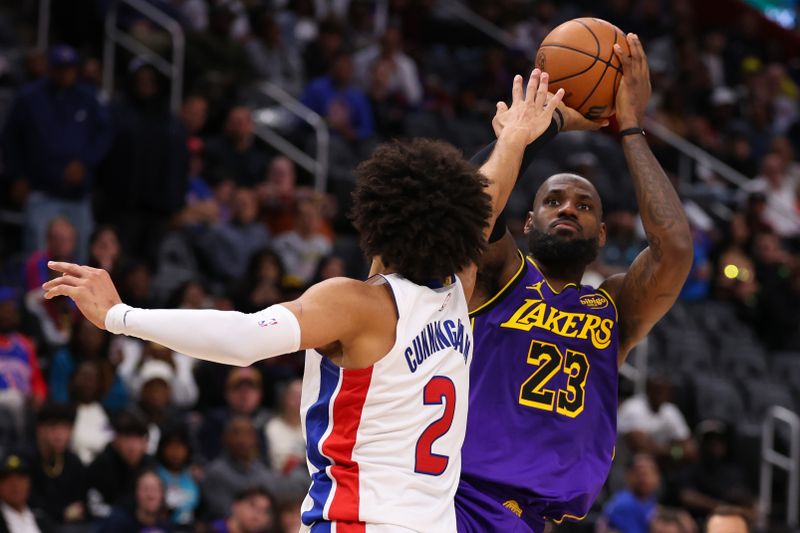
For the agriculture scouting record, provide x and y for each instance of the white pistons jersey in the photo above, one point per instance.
(384, 443)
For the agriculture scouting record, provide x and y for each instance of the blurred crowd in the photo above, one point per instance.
(192, 209)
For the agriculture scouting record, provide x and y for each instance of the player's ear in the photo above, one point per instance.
(528, 223)
(601, 235)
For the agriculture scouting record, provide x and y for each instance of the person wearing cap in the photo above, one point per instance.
(154, 391)
(243, 394)
(112, 475)
(58, 476)
(56, 134)
(15, 488)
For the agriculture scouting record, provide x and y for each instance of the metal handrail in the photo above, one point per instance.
(693, 151)
(114, 36)
(43, 27)
(771, 458)
(458, 9)
(318, 165)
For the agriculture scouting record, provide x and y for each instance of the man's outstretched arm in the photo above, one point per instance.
(227, 337)
(650, 287)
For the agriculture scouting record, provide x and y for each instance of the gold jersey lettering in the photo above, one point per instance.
(535, 313)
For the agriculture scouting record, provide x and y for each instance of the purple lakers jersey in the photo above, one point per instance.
(541, 426)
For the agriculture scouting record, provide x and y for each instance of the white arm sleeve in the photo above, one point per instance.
(227, 337)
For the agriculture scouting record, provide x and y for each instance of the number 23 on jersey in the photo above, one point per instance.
(549, 360)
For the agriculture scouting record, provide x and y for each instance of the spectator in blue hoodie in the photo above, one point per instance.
(56, 134)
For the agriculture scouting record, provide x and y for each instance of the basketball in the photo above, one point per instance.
(579, 57)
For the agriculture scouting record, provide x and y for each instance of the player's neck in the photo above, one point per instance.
(559, 276)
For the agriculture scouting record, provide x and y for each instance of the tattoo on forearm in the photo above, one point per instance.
(658, 201)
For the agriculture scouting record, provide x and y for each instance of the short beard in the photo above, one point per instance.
(559, 254)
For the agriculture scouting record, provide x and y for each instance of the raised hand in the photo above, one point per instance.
(634, 89)
(91, 289)
(531, 111)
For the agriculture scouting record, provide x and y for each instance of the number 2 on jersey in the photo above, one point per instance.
(438, 390)
(549, 360)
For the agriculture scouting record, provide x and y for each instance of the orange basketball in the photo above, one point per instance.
(579, 57)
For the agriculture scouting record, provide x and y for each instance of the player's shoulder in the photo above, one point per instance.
(349, 292)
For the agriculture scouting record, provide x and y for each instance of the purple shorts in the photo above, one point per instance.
(480, 510)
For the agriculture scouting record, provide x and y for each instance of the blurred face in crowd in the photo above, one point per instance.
(772, 169)
(659, 525)
(768, 248)
(155, 395)
(243, 395)
(145, 83)
(91, 72)
(194, 296)
(239, 125)
(194, 114)
(334, 267)
(86, 383)
(253, 514)
(14, 490)
(291, 398)
(240, 440)
(54, 437)
(342, 70)
(131, 448)
(90, 339)
(269, 269)
(782, 147)
(659, 392)
(726, 524)
(392, 41)
(176, 454)
(137, 283)
(282, 175)
(245, 206)
(308, 217)
(290, 518)
(643, 477)
(64, 76)
(105, 248)
(149, 493)
(9, 316)
(740, 232)
(61, 240)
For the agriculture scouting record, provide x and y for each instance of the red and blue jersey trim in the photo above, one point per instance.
(331, 427)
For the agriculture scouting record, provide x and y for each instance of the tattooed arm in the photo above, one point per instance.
(647, 291)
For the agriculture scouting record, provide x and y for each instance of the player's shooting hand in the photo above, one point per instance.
(90, 288)
(531, 111)
(634, 89)
(574, 121)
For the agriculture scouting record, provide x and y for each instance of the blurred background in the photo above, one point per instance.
(202, 151)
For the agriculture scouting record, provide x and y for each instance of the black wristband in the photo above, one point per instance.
(560, 117)
(631, 131)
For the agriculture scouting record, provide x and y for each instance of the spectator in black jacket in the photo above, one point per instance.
(15, 488)
(58, 476)
(145, 178)
(112, 475)
(56, 134)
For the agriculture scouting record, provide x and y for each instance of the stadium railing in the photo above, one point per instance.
(771, 458)
(172, 69)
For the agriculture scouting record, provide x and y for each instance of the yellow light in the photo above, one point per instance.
(731, 271)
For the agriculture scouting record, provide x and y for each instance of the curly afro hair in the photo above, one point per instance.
(422, 208)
